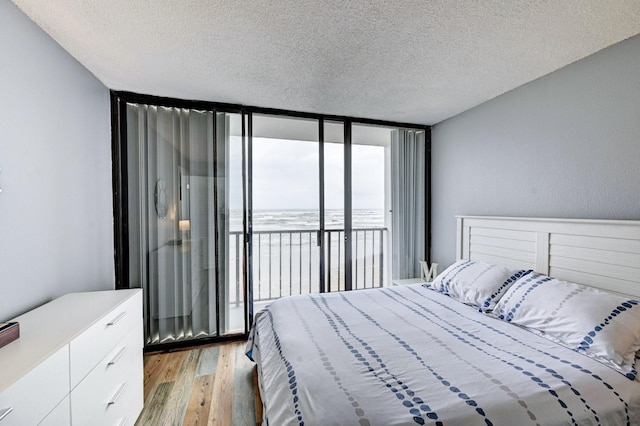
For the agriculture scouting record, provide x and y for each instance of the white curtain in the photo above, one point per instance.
(407, 202)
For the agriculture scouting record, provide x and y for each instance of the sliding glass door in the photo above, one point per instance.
(285, 217)
(184, 191)
(374, 204)
(323, 216)
(371, 205)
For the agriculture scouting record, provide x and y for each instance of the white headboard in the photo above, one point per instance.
(599, 253)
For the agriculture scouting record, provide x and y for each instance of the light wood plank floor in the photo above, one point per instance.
(212, 385)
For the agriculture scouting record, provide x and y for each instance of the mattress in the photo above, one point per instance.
(408, 355)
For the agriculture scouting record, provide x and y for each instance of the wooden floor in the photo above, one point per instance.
(211, 385)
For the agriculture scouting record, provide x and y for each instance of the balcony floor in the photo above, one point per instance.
(236, 313)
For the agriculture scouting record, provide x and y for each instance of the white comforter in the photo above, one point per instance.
(408, 355)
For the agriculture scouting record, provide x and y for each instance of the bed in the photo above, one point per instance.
(417, 354)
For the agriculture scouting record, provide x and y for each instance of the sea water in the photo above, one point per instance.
(275, 220)
(286, 253)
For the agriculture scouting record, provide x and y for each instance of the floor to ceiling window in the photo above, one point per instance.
(285, 212)
(221, 210)
(335, 205)
(183, 171)
(371, 205)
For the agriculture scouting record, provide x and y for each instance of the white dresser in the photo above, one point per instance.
(78, 361)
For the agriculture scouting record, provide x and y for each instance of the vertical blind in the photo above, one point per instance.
(173, 220)
(408, 202)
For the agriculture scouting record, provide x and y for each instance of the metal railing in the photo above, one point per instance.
(287, 262)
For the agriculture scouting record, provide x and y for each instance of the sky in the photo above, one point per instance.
(285, 175)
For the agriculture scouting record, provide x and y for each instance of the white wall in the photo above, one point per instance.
(566, 145)
(56, 216)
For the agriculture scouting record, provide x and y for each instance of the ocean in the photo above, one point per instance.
(274, 220)
(286, 254)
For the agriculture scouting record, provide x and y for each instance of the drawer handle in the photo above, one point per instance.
(118, 318)
(117, 357)
(123, 422)
(117, 395)
(4, 412)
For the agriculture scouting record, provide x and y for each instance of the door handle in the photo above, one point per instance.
(117, 357)
(118, 394)
(118, 318)
(4, 412)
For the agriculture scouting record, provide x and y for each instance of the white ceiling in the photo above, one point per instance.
(417, 61)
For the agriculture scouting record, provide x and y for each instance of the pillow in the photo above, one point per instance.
(602, 325)
(476, 283)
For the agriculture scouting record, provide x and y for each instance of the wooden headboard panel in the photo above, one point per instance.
(599, 253)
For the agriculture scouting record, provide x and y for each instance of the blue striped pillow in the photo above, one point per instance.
(602, 325)
(476, 283)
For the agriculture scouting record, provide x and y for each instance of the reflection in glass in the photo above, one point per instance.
(178, 220)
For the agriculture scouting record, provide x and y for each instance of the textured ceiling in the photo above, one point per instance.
(412, 61)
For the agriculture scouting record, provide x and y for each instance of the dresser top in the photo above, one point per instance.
(46, 329)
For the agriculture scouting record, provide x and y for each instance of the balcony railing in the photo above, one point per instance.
(287, 262)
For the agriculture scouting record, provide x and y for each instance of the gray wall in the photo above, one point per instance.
(566, 145)
(56, 217)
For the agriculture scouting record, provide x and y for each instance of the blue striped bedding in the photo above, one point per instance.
(411, 356)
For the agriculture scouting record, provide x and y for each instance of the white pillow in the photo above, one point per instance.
(476, 283)
(602, 325)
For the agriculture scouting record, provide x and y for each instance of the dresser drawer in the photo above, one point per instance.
(121, 406)
(61, 415)
(37, 393)
(98, 340)
(126, 411)
(110, 384)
